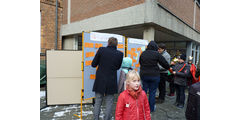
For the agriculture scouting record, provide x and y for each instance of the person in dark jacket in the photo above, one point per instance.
(181, 72)
(109, 60)
(193, 104)
(149, 70)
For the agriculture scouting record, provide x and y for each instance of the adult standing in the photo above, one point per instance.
(163, 72)
(149, 71)
(109, 60)
(193, 104)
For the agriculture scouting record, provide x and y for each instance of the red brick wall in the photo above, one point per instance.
(47, 8)
(184, 9)
(42, 58)
(65, 11)
(197, 22)
(83, 9)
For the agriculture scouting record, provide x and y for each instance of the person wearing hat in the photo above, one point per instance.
(180, 72)
(191, 79)
(125, 68)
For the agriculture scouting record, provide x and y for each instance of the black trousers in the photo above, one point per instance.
(162, 85)
(180, 91)
(171, 84)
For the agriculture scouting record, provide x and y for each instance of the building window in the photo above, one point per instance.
(180, 45)
(79, 42)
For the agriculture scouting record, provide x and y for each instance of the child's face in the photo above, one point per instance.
(134, 84)
(180, 60)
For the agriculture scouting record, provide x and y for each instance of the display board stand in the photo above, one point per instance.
(91, 42)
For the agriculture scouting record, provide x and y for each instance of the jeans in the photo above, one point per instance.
(97, 106)
(180, 91)
(150, 83)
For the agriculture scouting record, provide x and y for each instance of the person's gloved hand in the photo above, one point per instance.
(170, 70)
(169, 73)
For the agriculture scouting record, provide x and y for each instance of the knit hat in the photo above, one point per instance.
(175, 60)
(190, 58)
(183, 57)
(126, 63)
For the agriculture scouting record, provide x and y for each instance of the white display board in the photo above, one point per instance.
(92, 41)
(64, 77)
(134, 49)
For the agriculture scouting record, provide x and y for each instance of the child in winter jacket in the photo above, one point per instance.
(181, 72)
(191, 78)
(132, 103)
(126, 66)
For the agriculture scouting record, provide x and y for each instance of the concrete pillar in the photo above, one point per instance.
(148, 33)
(69, 12)
(198, 53)
(194, 53)
(194, 14)
(189, 50)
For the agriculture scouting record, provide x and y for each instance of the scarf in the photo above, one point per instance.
(134, 93)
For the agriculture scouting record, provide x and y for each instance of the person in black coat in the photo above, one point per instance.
(109, 60)
(193, 104)
(150, 72)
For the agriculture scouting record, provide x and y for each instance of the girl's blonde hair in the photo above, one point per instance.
(131, 75)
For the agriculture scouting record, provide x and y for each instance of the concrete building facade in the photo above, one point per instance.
(48, 25)
(175, 23)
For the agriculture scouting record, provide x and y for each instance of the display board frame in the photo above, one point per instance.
(91, 42)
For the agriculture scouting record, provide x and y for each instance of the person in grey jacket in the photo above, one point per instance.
(181, 72)
(163, 72)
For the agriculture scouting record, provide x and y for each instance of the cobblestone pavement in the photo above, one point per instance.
(164, 111)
